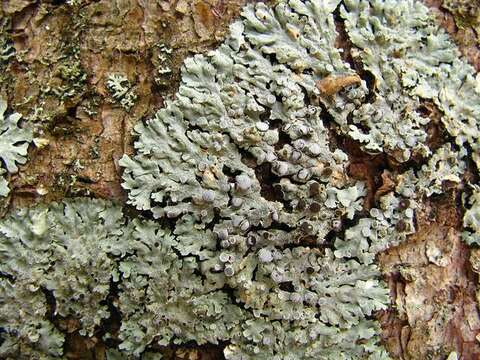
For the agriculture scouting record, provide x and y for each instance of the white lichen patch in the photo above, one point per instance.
(471, 219)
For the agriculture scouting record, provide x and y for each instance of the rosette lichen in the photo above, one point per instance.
(245, 155)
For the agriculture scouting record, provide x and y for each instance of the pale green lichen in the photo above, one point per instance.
(388, 225)
(162, 62)
(411, 59)
(76, 250)
(27, 333)
(6, 49)
(236, 104)
(14, 142)
(121, 91)
(164, 297)
(112, 354)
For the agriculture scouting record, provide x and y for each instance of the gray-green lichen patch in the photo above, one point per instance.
(14, 142)
(162, 62)
(471, 219)
(168, 292)
(411, 59)
(67, 250)
(27, 333)
(235, 104)
(121, 91)
(165, 297)
(7, 50)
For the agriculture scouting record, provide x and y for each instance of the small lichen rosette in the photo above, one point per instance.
(14, 142)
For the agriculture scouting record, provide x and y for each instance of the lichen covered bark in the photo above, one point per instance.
(56, 59)
(57, 77)
(58, 80)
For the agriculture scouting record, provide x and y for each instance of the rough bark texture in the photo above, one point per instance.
(72, 50)
(433, 290)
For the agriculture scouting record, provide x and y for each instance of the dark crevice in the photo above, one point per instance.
(78, 344)
(215, 220)
(171, 352)
(51, 304)
(273, 226)
(73, 340)
(247, 158)
(299, 238)
(473, 174)
(63, 124)
(85, 180)
(58, 2)
(287, 286)
(9, 277)
(327, 119)
(131, 212)
(230, 173)
(113, 323)
(254, 274)
(72, 111)
(267, 180)
(437, 135)
(363, 166)
(280, 226)
(331, 235)
(343, 42)
(310, 241)
(167, 223)
(283, 137)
